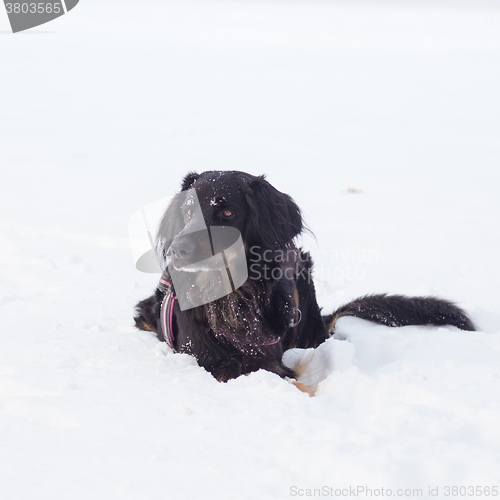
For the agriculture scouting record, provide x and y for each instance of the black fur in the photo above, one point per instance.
(398, 310)
(280, 279)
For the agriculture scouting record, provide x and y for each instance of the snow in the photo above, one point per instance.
(381, 119)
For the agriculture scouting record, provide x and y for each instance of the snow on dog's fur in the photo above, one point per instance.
(251, 327)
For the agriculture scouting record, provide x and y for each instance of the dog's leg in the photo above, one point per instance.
(280, 312)
(239, 364)
(148, 314)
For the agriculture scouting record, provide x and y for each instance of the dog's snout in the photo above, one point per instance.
(182, 247)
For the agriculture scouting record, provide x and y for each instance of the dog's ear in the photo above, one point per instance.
(274, 219)
(189, 180)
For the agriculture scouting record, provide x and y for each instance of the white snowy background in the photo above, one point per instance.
(105, 109)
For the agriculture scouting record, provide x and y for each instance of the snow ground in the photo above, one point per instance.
(105, 109)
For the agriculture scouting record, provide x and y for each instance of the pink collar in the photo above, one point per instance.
(167, 315)
(167, 312)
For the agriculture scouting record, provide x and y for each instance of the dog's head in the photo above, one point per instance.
(214, 208)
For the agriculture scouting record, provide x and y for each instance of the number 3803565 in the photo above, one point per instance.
(33, 8)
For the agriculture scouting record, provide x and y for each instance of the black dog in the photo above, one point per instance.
(275, 309)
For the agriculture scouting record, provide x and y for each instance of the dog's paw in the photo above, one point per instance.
(302, 388)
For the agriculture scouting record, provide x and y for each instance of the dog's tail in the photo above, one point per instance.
(398, 310)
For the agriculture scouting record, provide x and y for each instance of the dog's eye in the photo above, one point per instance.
(227, 213)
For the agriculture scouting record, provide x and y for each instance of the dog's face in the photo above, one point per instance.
(214, 209)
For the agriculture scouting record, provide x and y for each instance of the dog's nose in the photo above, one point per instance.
(182, 247)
